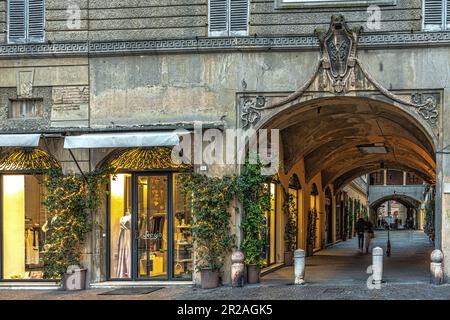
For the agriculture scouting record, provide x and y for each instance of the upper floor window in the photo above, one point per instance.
(228, 18)
(436, 15)
(26, 109)
(26, 21)
(394, 178)
(412, 179)
(377, 178)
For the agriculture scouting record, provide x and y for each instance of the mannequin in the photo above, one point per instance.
(124, 257)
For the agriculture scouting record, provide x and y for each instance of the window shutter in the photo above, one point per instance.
(433, 13)
(238, 17)
(218, 17)
(36, 20)
(16, 21)
(448, 14)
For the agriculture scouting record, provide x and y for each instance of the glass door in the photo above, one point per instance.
(152, 227)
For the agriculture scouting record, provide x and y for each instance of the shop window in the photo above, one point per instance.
(26, 21)
(26, 108)
(24, 227)
(183, 245)
(271, 225)
(120, 226)
(228, 17)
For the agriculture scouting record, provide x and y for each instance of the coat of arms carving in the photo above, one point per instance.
(338, 48)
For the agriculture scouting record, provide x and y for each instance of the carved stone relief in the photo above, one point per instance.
(338, 72)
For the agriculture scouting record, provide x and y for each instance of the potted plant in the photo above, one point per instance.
(311, 231)
(290, 232)
(210, 198)
(255, 199)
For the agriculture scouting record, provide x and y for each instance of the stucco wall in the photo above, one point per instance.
(155, 19)
(265, 19)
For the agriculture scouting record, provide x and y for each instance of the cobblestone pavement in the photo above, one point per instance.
(338, 273)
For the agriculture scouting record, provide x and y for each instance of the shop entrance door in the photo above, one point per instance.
(152, 226)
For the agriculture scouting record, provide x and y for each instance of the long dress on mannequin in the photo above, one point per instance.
(124, 259)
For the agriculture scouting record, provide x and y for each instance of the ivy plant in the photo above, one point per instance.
(69, 200)
(210, 199)
(290, 232)
(429, 220)
(311, 228)
(254, 195)
(350, 217)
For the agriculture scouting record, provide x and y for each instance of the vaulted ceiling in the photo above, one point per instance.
(326, 135)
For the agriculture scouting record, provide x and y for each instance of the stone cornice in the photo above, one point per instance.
(305, 42)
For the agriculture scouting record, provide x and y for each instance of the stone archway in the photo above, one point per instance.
(341, 125)
(411, 204)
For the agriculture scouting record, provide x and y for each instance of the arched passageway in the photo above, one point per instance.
(384, 215)
(330, 142)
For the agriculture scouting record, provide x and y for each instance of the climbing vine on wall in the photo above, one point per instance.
(254, 195)
(350, 217)
(429, 220)
(70, 200)
(210, 198)
(290, 231)
(357, 213)
(312, 225)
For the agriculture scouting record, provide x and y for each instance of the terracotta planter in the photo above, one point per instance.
(209, 279)
(253, 274)
(289, 258)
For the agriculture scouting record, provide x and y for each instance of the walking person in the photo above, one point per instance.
(369, 235)
(360, 228)
(410, 226)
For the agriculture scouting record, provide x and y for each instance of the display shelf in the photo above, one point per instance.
(183, 243)
(184, 227)
(183, 260)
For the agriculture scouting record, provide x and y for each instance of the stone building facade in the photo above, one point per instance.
(149, 67)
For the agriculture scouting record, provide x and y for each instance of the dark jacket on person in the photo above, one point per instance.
(360, 226)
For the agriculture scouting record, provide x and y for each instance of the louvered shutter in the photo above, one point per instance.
(433, 14)
(36, 20)
(448, 15)
(218, 17)
(238, 17)
(16, 21)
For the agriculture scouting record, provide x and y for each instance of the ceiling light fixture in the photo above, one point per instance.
(374, 148)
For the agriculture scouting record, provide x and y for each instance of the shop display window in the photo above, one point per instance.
(24, 227)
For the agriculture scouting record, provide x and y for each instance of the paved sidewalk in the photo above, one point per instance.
(344, 264)
(338, 273)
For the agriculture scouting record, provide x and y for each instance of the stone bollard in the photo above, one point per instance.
(299, 266)
(377, 265)
(237, 269)
(437, 271)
